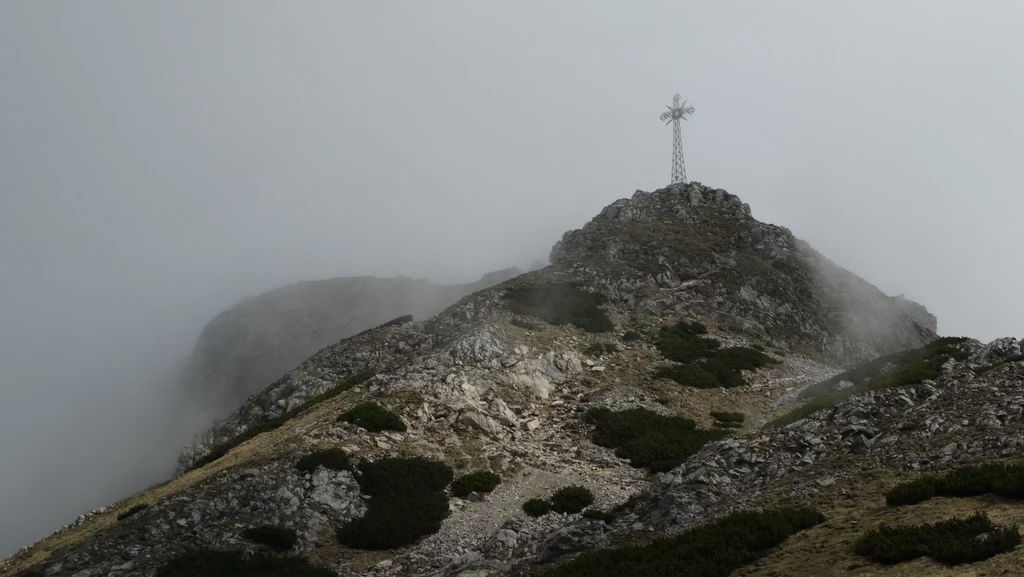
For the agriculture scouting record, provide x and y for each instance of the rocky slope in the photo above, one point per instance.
(480, 387)
(261, 338)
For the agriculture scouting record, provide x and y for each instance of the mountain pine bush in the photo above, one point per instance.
(408, 501)
(1001, 479)
(373, 418)
(572, 499)
(951, 542)
(713, 550)
(479, 482)
(334, 459)
(537, 507)
(648, 439)
(704, 364)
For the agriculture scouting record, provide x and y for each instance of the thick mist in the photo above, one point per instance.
(161, 161)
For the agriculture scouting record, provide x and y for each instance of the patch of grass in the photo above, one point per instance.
(648, 439)
(333, 459)
(630, 336)
(407, 502)
(560, 304)
(373, 418)
(598, 349)
(525, 324)
(479, 482)
(537, 507)
(221, 449)
(135, 509)
(278, 538)
(572, 499)
(1004, 480)
(952, 542)
(713, 550)
(209, 563)
(904, 369)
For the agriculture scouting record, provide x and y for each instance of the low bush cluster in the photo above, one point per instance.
(1001, 479)
(567, 500)
(221, 449)
(599, 515)
(407, 502)
(373, 418)
(278, 538)
(210, 563)
(478, 482)
(334, 459)
(951, 542)
(135, 509)
(404, 319)
(648, 439)
(630, 336)
(560, 304)
(895, 370)
(704, 364)
(598, 349)
(713, 550)
(571, 500)
(537, 507)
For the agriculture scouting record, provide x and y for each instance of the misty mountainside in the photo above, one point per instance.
(684, 391)
(258, 340)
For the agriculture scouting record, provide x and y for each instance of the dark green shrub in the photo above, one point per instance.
(728, 417)
(525, 324)
(648, 439)
(480, 482)
(951, 542)
(743, 358)
(598, 349)
(713, 550)
(30, 573)
(221, 449)
(728, 425)
(560, 304)
(278, 538)
(209, 563)
(408, 502)
(689, 375)
(682, 342)
(537, 507)
(373, 418)
(630, 336)
(572, 499)
(334, 459)
(135, 509)
(1007, 481)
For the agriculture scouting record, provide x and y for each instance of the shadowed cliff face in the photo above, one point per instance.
(247, 347)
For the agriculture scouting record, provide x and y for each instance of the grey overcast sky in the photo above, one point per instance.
(161, 160)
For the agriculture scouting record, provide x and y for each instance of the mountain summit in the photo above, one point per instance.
(679, 369)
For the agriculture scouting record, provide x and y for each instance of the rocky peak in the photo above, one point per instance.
(487, 386)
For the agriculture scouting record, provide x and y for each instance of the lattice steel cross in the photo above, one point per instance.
(675, 113)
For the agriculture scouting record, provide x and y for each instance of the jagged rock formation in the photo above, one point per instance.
(258, 340)
(482, 388)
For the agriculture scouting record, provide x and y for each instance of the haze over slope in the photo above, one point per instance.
(160, 162)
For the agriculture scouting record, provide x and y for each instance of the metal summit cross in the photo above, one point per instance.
(675, 113)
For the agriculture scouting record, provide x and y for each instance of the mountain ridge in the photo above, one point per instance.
(501, 382)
